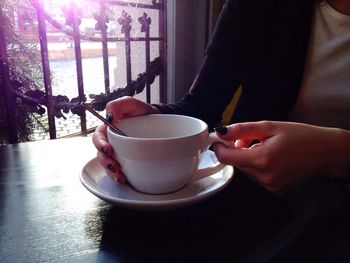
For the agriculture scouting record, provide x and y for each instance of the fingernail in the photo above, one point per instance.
(104, 150)
(109, 117)
(110, 168)
(222, 130)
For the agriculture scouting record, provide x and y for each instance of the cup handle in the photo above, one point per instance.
(205, 172)
(212, 138)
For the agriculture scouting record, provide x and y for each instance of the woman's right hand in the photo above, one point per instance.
(118, 109)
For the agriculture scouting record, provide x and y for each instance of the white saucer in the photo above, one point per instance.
(95, 179)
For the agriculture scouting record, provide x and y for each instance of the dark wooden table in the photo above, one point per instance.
(46, 215)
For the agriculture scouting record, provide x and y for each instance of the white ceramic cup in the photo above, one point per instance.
(161, 152)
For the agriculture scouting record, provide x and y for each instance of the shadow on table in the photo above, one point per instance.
(243, 223)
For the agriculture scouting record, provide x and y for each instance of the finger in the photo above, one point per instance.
(108, 163)
(126, 107)
(249, 131)
(112, 168)
(243, 143)
(99, 139)
(242, 157)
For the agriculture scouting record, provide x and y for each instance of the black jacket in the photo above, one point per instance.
(261, 45)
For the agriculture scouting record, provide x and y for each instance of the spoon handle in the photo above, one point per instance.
(116, 129)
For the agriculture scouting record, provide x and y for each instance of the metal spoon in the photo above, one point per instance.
(116, 129)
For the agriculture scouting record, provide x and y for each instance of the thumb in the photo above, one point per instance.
(247, 131)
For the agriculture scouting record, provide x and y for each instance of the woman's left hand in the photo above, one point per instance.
(288, 153)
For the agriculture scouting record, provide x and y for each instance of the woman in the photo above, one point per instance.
(270, 99)
(291, 60)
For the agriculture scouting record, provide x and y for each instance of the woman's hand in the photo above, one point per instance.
(287, 155)
(116, 110)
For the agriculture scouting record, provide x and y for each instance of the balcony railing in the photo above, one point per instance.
(57, 106)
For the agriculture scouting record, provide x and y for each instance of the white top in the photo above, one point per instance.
(324, 98)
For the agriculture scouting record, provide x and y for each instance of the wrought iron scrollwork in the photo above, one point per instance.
(57, 106)
(125, 21)
(145, 22)
(67, 29)
(36, 100)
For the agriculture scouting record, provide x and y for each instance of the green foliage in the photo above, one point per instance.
(24, 65)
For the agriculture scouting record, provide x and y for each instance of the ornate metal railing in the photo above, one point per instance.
(56, 106)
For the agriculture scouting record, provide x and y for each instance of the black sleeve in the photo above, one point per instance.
(218, 77)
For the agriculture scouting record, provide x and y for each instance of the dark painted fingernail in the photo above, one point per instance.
(109, 117)
(110, 168)
(104, 150)
(222, 130)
